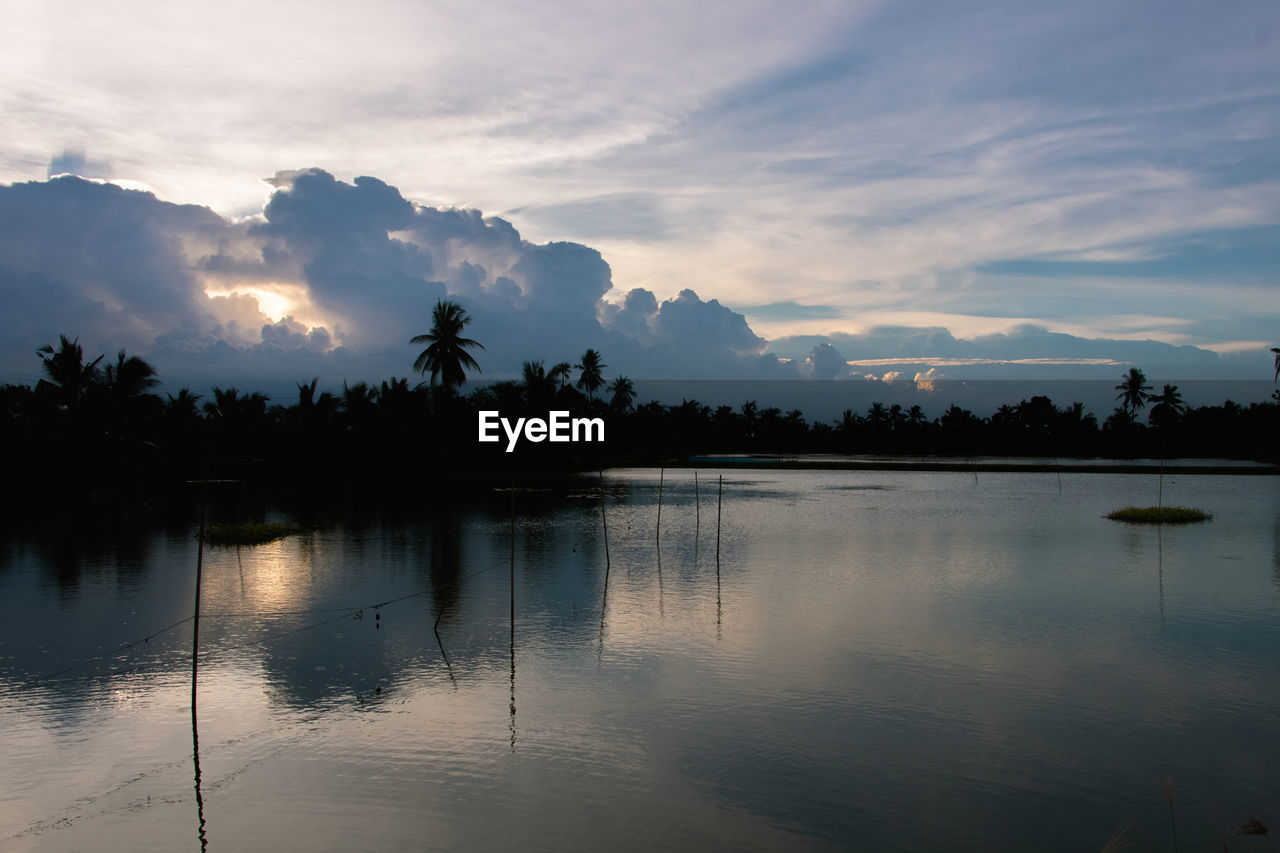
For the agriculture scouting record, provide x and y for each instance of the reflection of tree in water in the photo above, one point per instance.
(68, 555)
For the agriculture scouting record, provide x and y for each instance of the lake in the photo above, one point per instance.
(879, 660)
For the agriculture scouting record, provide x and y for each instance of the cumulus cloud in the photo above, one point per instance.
(825, 362)
(332, 279)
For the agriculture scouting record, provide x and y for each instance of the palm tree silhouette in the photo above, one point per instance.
(539, 387)
(130, 376)
(67, 372)
(1133, 390)
(559, 373)
(1166, 410)
(591, 379)
(1275, 395)
(1167, 406)
(623, 393)
(447, 354)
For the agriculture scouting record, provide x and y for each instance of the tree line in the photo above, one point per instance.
(99, 425)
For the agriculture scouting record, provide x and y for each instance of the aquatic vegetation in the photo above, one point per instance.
(1160, 515)
(248, 533)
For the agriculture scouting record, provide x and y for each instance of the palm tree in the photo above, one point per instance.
(1167, 409)
(591, 379)
(623, 393)
(67, 372)
(359, 401)
(130, 377)
(539, 387)
(183, 406)
(560, 373)
(229, 407)
(1275, 395)
(1133, 390)
(447, 354)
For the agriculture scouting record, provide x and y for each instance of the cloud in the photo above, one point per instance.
(825, 362)
(332, 278)
(76, 162)
(352, 270)
(1023, 351)
(1060, 164)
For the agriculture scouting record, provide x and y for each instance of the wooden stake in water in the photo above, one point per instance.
(697, 517)
(657, 535)
(195, 661)
(513, 616)
(195, 629)
(604, 523)
(604, 602)
(697, 503)
(719, 505)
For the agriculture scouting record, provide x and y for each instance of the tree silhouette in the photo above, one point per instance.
(623, 393)
(229, 406)
(1167, 407)
(539, 387)
(591, 379)
(183, 406)
(446, 355)
(130, 377)
(68, 375)
(1166, 410)
(1133, 390)
(559, 374)
(1275, 395)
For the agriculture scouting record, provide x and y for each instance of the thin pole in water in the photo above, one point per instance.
(657, 534)
(719, 505)
(195, 660)
(513, 615)
(604, 522)
(719, 608)
(195, 629)
(604, 601)
(697, 503)
(697, 516)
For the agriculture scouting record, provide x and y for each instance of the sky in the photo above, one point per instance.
(256, 194)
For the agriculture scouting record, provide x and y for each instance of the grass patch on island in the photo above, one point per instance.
(1160, 514)
(248, 533)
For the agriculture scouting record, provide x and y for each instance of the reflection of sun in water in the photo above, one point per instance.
(270, 577)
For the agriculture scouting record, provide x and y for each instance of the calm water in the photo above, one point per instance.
(887, 661)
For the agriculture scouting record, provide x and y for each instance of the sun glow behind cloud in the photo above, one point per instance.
(277, 301)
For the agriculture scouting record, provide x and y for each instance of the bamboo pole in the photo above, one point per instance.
(604, 522)
(657, 535)
(513, 616)
(195, 661)
(697, 504)
(719, 506)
